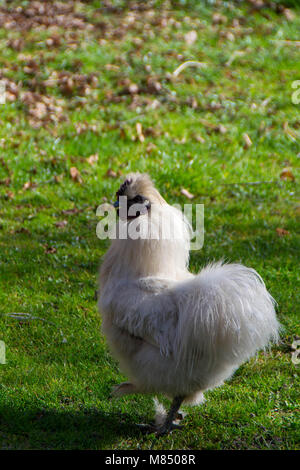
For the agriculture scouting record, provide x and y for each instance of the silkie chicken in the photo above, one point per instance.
(174, 332)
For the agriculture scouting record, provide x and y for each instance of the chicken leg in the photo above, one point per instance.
(169, 424)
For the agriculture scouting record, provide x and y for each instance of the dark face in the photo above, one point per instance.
(131, 208)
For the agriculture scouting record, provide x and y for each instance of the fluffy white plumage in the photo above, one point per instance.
(174, 332)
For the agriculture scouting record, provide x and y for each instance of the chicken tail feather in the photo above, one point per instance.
(226, 316)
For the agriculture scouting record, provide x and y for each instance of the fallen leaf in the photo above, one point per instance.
(75, 175)
(22, 230)
(70, 211)
(290, 16)
(111, 173)
(133, 88)
(58, 178)
(150, 147)
(281, 232)
(214, 127)
(180, 141)
(222, 129)
(217, 18)
(186, 193)
(139, 130)
(233, 56)
(16, 44)
(113, 67)
(53, 41)
(287, 174)
(189, 63)
(190, 37)
(290, 132)
(49, 249)
(192, 102)
(28, 185)
(247, 140)
(93, 159)
(199, 139)
(5, 182)
(153, 86)
(61, 223)
(229, 35)
(39, 111)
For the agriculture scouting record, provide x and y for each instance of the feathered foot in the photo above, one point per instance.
(169, 424)
(180, 415)
(159, 431)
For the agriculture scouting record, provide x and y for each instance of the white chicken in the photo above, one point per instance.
(173, 332)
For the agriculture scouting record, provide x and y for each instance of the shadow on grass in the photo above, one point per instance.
(63, 429)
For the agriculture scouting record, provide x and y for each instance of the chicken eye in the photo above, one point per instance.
(138, 199)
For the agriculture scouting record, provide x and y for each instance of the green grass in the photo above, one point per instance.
(55, 385)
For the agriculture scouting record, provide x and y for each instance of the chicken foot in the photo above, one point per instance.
(174, 413)
(169, 424)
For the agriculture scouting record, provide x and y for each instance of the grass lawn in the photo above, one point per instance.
(90, 96)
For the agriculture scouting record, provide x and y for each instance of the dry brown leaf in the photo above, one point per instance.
(92, 159)
(111, 173)
(21, 230)
(16, 44)
(190, 37)
(150, 147)
(28, 185)
(10, 195)
(217, 18)
(233, 56)
(287, 174)
(50, 249)
(43, 14)
(39, 111)
(42, 108)
(247, 140)
(5, 182)
(186, 193)
(139, 131)
(112, 67)
(133, 88)
(153, 86)
(53, 41)
(58, 178)
(289, 14)
(214, 127)
(61, 223)
(222, 129)
(281, 232)
(199, 139)
(75, 175)
(70, 211)
(180, 141)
